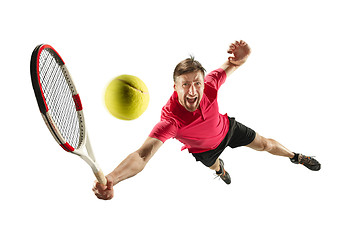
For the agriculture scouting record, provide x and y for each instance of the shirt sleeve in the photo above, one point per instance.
(216, 78)
(163, 131)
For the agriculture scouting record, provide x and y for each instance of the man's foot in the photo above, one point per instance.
(224, 175)
(309, 162)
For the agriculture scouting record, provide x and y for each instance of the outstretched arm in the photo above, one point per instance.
(129, 167)
(240, 52)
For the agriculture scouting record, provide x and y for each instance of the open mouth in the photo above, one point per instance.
(191, 100)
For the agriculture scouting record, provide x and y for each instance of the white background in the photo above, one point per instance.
(299, 87)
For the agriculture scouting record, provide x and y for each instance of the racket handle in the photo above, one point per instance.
(100, 177)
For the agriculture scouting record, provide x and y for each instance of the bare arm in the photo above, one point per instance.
(129, 167)
(241, 52)
(136, 161)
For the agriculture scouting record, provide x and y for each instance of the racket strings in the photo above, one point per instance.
(59, 98)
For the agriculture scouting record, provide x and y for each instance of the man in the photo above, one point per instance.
(192, 116)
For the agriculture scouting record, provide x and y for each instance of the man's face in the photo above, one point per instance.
(190, 89)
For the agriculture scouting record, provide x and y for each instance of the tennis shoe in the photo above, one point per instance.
(308, 161)
(224, 175)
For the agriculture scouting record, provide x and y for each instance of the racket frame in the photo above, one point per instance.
(84, 149)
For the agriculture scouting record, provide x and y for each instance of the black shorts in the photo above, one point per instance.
(237, 136)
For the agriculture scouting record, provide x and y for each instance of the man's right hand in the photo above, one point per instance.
(104, 192)
(129, 167)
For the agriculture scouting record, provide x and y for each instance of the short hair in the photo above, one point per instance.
(188, 65)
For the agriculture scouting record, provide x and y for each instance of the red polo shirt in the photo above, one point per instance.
(201, 130)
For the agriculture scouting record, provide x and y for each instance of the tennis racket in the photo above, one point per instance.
(60, 105)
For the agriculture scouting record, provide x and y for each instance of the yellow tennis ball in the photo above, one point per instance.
(126, 97)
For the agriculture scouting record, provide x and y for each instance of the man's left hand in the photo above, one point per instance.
(240, 51)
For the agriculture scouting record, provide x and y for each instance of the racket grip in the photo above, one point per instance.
(100, 177)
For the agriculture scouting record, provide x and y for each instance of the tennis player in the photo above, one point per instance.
(192, 116)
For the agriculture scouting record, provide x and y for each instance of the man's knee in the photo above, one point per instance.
(261, 143)
(266, 144)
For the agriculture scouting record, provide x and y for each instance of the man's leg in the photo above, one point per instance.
(216, 166)
(270, 145)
